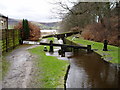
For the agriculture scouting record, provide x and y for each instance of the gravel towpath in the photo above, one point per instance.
(19, 74)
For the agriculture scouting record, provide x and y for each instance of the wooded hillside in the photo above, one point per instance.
(97, 20)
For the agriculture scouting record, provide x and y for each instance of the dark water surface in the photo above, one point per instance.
(90, 71)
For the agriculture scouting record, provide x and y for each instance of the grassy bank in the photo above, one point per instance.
(51, 70)
(111, 55)
(4, 63)
(4, 66)
(51, 38)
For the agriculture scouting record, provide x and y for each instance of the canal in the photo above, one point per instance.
(90, 71)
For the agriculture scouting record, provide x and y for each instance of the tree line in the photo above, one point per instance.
(29, 31)
(92, 18)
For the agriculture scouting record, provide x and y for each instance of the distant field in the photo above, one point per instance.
(47, 25)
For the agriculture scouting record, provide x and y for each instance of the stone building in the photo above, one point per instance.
(3, 22)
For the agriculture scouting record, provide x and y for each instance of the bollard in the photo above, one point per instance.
(89, 48)
(105, 45)
(62, 53)
(51, 46)
(45, 49)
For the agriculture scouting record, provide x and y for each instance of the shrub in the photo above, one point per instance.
(98, 32)
(34, 31)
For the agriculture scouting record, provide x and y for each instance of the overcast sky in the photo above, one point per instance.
(35, 10)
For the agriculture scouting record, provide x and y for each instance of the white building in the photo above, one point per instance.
(3, 22)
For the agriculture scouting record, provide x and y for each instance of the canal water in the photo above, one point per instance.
(90, 71)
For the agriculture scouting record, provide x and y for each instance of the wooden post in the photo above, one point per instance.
(51, 46)
(72, 44)
(7, 21)
(62, 51)
(89, 48)
(13, 38)
(21, 36)
(6, 32)
(64, 41)
(59, 52)
(105, 45)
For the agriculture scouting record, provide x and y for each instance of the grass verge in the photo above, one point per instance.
(5, 66)
(112, 55)
(52, 70)
(51, 38)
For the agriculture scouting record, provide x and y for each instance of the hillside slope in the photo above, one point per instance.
(43, 25)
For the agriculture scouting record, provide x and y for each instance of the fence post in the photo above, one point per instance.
(13, 38)
(20, 36)
(51, 46)
(6, 32)
(62, 51)
(89, 48)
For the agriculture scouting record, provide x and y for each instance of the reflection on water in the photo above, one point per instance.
(89, 71)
